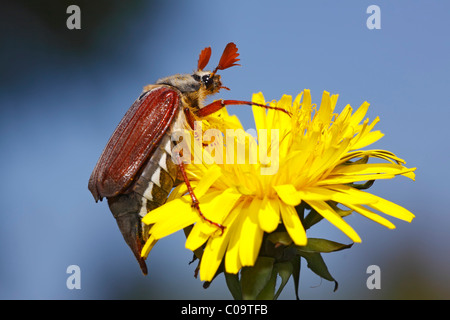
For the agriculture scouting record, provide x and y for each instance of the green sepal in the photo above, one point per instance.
(296, 264)
(280, 237)
(311, 219)
(259, 282)
(254, 279)
(322, 245)
(267, 293)
(318, 266)
(284, 269)
(362, 160)
(339, 211)
(233, 285)
(362, 186)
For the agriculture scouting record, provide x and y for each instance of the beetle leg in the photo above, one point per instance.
(195, 202)
(189, 117)
(191, 121)
(219, 104)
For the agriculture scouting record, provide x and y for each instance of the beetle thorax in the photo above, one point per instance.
(194, 87)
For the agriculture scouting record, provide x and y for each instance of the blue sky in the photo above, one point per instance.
(63, 93)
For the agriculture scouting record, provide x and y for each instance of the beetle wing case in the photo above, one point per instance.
(133, 141)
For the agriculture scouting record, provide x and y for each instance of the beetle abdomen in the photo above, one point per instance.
(158, 177)
(150, 190)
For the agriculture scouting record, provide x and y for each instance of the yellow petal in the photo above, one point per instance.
(171, 217)
(382, 154)
(328, 213)
(368, 139)
(216, 206)
(178, 191)
(269, 215)
(297, 101)
(176, 206)
(349, 195)
(232, 261)
(370, 168)
(251, 234)
(293, 224)
(213, 173)
(222, 120)
(338, 193)
(324, 113)
(344, 179)
(280, 120)
(372, 216)
(212, 256)
(196, 238)
(376, 203)
(215, 249)
(344, 115)
(391, 209)
(359, 114)
(288, 194)
(410, 174)
(148, 246)
(259, 113)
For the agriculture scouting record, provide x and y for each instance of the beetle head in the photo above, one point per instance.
(202, 82)
(211, 80)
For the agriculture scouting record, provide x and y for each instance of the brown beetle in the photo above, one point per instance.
(136, 170)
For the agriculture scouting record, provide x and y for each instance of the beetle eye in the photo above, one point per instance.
(207, 80)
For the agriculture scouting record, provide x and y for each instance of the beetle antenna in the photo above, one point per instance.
(229, 58)
(203, 59)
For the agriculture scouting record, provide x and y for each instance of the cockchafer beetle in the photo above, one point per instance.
(136, 171)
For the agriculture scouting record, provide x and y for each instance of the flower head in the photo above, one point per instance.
(312, 158)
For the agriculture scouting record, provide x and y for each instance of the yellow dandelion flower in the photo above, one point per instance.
(312, 157)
